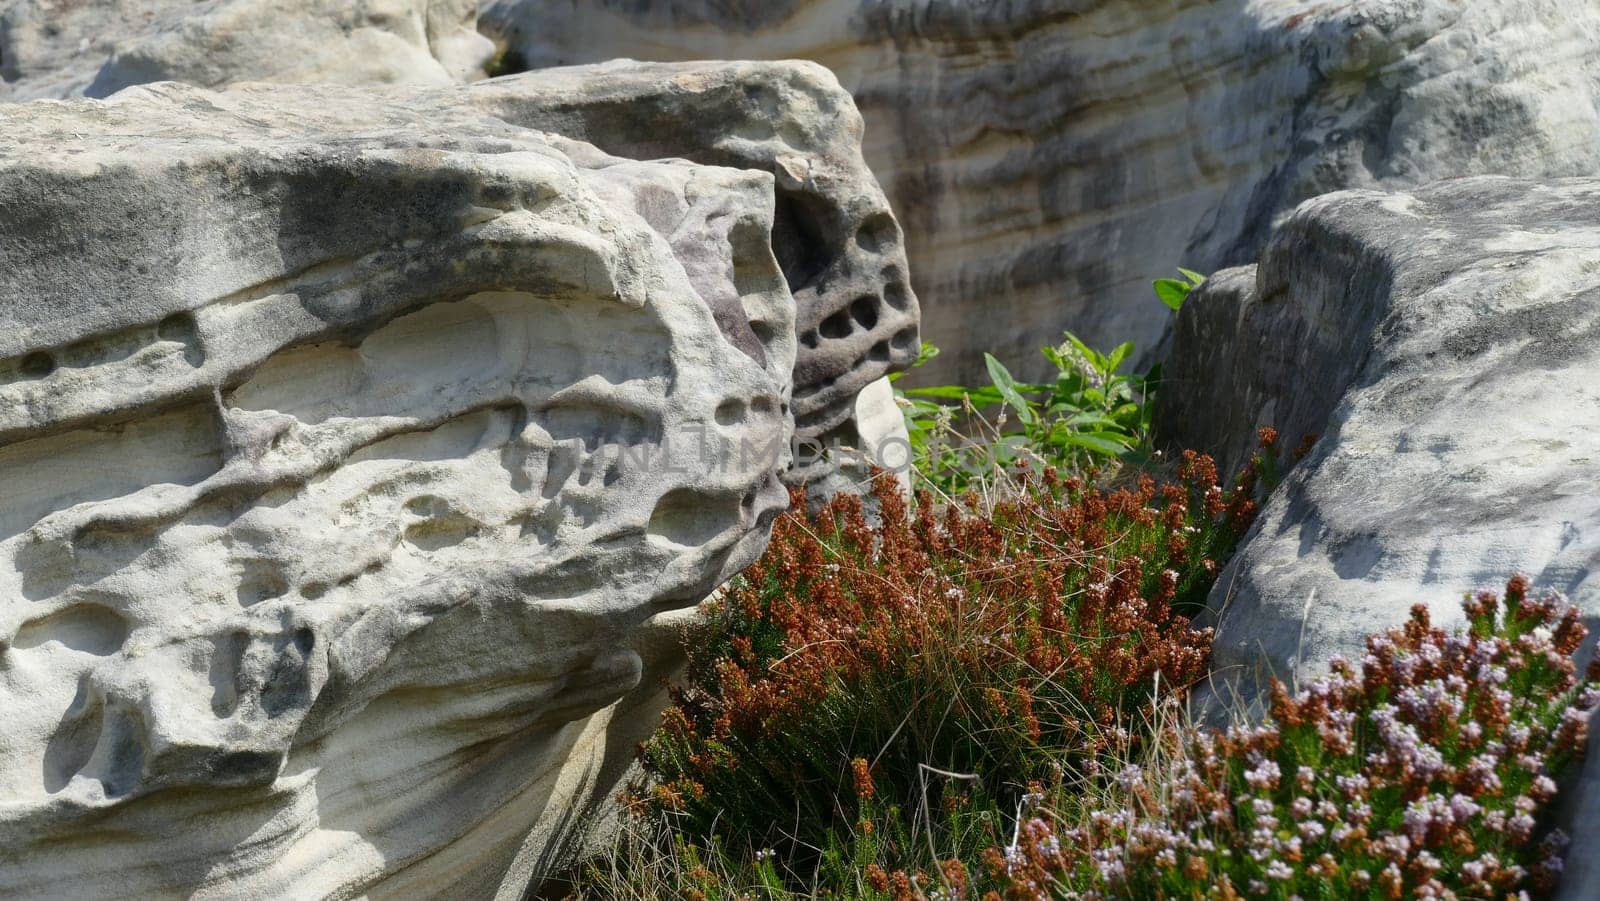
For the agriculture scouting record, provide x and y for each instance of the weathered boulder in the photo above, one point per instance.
(1445, 345)
(63, 48)
(1049, 158)
(837, 240)
(351, 442)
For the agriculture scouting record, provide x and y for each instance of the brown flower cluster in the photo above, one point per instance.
(1005, 641)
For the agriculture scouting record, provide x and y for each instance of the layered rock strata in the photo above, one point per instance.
(837, 240)
(1048, 158)
(68, 48)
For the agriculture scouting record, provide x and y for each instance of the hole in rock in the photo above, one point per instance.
(836, 326)
(864, 310)
(177, 327)
(730, 412)
(692, 518)
(72, 745)
(876, 233)
(89, 628)
(766, 332)
(896, 295)
(798, 227)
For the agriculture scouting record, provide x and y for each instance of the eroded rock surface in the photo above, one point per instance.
(64, 48)
(348, 439)
(1049, 158)
(839, 244)
(1444, 345)
(837, 240)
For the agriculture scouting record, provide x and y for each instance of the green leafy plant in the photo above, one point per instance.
(1173, 292)
(1091, 413)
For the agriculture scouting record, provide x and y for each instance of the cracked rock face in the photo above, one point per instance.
(1444, 344)
(1049, 158)
(348, 438)
(62, 48)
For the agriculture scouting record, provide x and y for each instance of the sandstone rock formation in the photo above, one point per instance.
(1444, 344)
(836, 238)
(351, 439)
(1049, 158)
(62, 48)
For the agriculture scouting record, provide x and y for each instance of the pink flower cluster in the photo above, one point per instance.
(1425, 773)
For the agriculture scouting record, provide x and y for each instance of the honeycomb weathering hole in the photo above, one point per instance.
(798, 229)
(36, 365)
(877, 232)
(896, 295)
(864, 310)
(836, 326)
(89, 628)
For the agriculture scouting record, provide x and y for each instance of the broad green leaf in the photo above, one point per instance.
(1172, 292)
(1195, 278)
(1099, 442)
(1007, 386)
(925, 353)
(951, 392)
(1122, 352)
(1085, 419)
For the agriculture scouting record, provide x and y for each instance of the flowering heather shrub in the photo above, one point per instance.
(1423, 771)
(861, 695)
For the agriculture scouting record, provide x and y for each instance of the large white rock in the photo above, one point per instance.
(62, 48)
(1445, 344)
(1049, 158)
(351, 440)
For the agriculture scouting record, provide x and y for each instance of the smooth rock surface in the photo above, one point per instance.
(1445, 345)
(66, 48)
(350, 442)
(1049, 158)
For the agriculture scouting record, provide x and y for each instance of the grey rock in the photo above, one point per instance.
(1444, 343)
(836, 238)
(63, 48)
(353, 444)
(1048, 158)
